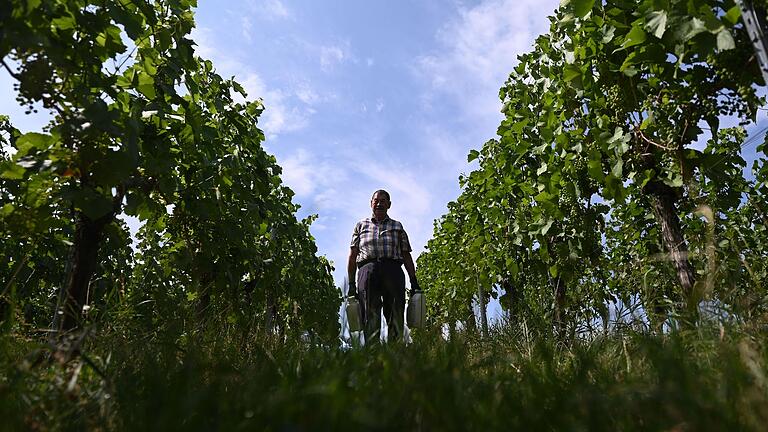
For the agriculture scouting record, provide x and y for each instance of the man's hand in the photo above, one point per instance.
(414, 285)
(351, 270)
(411, 269)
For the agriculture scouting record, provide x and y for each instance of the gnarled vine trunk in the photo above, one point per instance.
(83, 262)
(663, 200)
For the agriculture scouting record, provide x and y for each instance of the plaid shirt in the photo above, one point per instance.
(385, 239)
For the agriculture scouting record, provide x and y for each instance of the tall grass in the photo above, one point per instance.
(703, 380)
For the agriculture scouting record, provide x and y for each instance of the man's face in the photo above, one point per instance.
(380, 204)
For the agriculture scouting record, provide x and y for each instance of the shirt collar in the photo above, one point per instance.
(373, 219)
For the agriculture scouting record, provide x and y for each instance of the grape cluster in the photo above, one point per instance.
(580, 170)
(614, 103)
(666, 126)
(566, 199)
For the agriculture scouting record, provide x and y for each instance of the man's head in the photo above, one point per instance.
(380, 203)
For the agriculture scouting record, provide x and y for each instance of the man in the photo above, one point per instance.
(379, 247)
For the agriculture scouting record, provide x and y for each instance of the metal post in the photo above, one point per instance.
(757, 28)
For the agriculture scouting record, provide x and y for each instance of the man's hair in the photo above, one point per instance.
(383, 192)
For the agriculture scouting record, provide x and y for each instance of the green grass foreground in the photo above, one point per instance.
(703, 380)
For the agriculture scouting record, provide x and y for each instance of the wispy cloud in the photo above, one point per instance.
(271, 9)
(280, 115)
(330, 56)
(286, 109)
(203, 38)
(247, 28)
(306, 93)
(480, 48)
(447, 149)
(309, 175)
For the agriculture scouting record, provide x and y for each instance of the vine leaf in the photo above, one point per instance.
(656, 23)
(582, 7)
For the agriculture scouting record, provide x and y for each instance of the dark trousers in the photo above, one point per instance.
(380, 285)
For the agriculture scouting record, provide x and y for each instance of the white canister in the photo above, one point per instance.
(353, 315)
(417, 310)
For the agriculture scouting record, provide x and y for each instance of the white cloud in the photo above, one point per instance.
(285, 110)
(480, 48)
(301, 173)
(325, 181)
(202, 37)
(247, 29)
(409, 193)
(280, 115)
(306, 93)
(271, 9)
(447, 149)
(332, 55)
(278, 120)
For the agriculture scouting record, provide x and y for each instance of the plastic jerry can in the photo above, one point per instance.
(417, 310)
(353, 315)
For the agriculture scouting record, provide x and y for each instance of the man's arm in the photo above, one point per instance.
(411, 269)
(351, 270)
